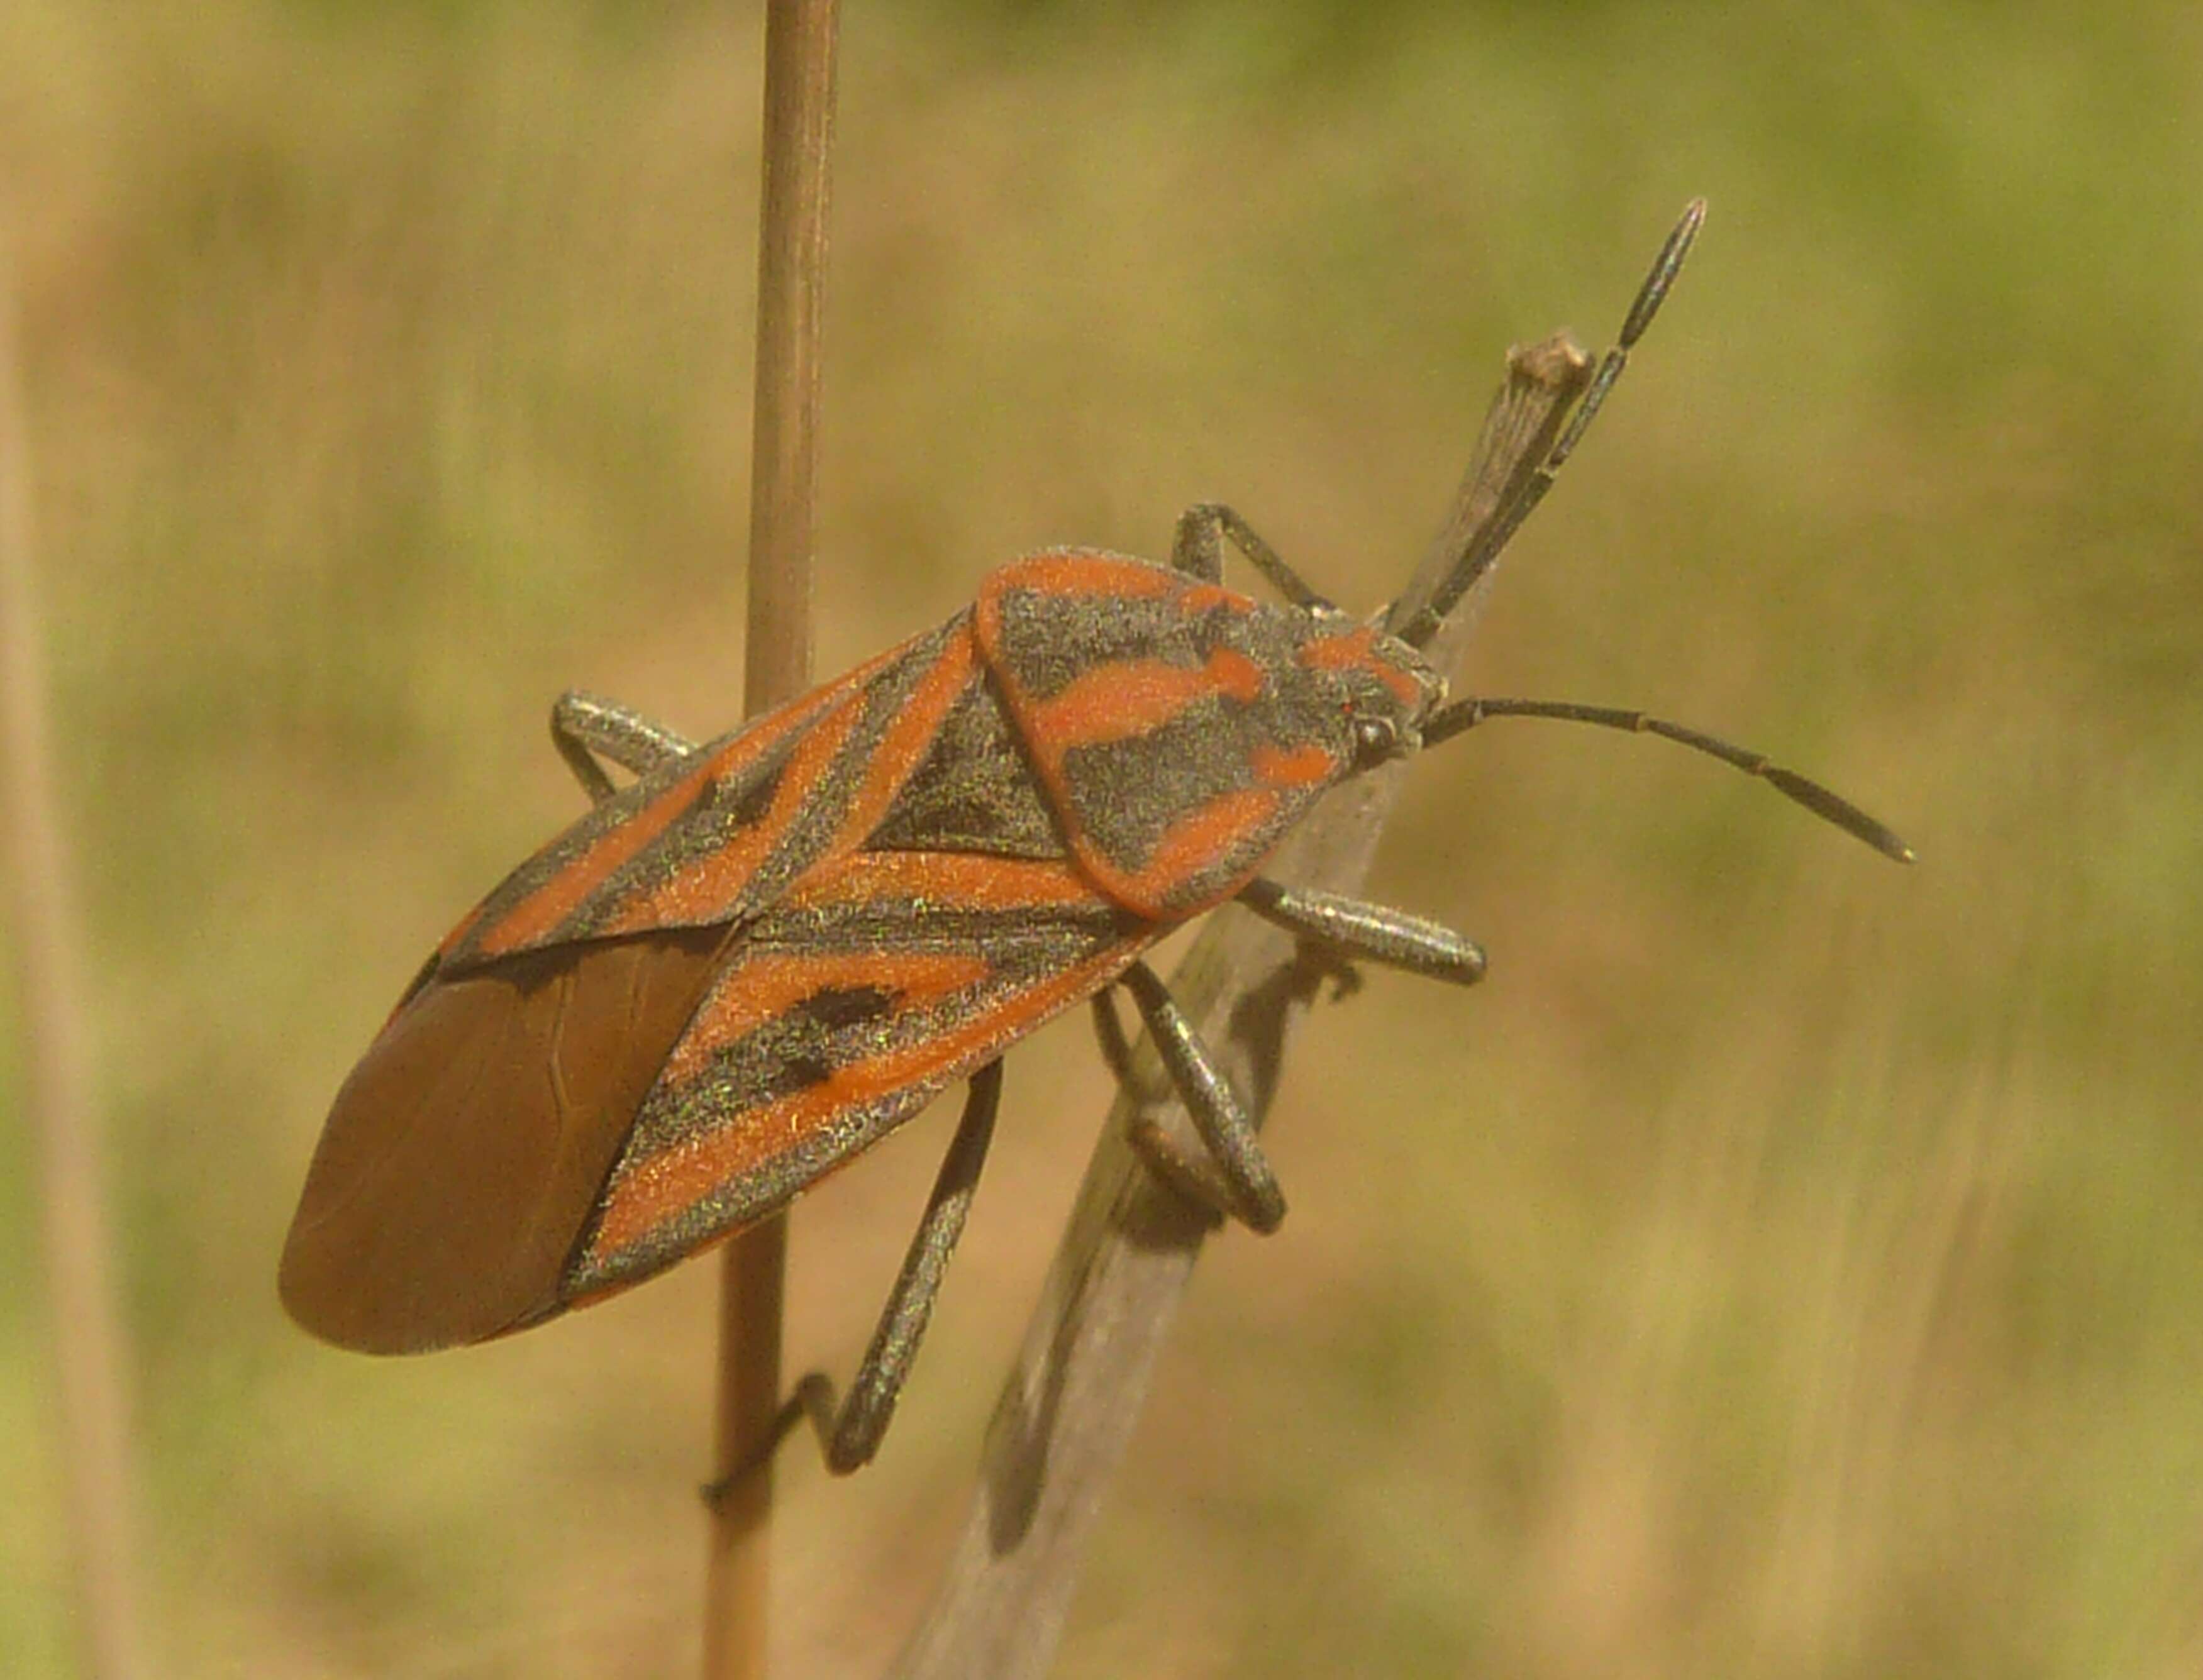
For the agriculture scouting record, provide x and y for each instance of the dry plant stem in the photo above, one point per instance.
(88, 1364)
(799, 134)
(1067, 1415)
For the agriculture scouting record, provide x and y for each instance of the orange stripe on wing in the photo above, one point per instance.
(711, 888)
(663, 1187)
(767, 985)
(949, 880)
(558, 898)
(1356, 650)
(541, 912)
(900, 748)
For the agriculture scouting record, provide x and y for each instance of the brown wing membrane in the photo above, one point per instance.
(463, 1157)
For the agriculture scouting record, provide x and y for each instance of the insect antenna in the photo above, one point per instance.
(1451, 719)
(1485, 542)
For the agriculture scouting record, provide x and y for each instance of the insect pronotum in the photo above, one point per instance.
(739, 970)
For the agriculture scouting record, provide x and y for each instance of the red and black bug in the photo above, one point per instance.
(740, 970)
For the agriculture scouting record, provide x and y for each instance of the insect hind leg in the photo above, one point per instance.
(850, 1428)
(586, 727)
(1198, 548)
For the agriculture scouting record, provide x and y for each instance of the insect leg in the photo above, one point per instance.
(586, 727)
(849, 1430)
(1240, 1182)
(1198, 548)
(1109, 1031)
(1354, 928)
(1196, 1183)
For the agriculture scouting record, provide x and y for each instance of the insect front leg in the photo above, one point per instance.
(586, 727)
(1354, 928)
(850, 1430)
(1198, 548)
(1239, 1181)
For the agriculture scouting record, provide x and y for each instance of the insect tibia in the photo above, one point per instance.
(1823, 802)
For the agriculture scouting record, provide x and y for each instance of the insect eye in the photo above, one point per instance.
(1375, 739)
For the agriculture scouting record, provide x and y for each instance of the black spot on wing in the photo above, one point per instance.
(836, 1027)
(837, 1007)
(800, 1072)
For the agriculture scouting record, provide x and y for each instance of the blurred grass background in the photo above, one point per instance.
(1785, 1265)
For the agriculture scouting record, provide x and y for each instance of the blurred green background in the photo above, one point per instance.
(1785, 1264)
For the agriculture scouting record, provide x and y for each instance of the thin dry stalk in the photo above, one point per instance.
(90, 1396)
(1066, 1414)
(799, 132)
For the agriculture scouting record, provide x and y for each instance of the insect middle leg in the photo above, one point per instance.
(1237, 1178)
(1351, 927)
(1198, 548)
(850, 1429)
(586, 727)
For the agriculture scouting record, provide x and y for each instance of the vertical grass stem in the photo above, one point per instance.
(799, 131)
(90, 1396)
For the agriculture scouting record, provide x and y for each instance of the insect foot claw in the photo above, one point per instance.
(814, 1398)
(1316, 964)
(1176, 1173)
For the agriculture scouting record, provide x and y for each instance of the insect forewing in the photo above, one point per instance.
(717, 985)
(839, 1013)
(471, 1143)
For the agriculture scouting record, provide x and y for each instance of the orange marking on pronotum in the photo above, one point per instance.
(1347, 651)
(1355, 649)
(1235, 675)
(1302, 766)
(1135, 696)
(1085, 572)
(1405, 687)
(1194, 839)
